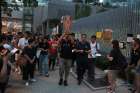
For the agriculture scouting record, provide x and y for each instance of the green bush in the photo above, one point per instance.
(102, 62)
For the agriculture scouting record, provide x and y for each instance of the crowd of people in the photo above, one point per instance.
(26, 53)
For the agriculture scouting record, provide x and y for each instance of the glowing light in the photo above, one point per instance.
(101, 1)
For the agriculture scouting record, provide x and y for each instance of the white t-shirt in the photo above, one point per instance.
(22, 42)
(94, 47)
(7, 46)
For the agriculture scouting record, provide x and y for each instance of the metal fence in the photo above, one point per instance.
(122, 20)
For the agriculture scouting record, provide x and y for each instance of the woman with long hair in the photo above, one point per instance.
(114, 66)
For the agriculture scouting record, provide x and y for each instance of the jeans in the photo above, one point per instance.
(43, 64)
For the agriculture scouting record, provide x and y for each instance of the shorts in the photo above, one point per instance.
(114, 73)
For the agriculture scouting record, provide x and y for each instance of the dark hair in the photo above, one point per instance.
(93, 36)
(1, 48)
(137, 41)
(84, 35)
(30, 41)
(72, 34)
(19, 33)
(115, 44)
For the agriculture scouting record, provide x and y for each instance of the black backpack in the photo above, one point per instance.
(122, 62)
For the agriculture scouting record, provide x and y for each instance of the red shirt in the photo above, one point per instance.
(53, 47)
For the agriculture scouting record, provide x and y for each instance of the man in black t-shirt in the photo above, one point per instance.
(28, 69)
(82, 50)
(65, 58)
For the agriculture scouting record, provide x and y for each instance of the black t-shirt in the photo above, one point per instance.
(66, 49)
(44, 46)
(83, 46)
(115, 64)
(29, 52)
(135, 57)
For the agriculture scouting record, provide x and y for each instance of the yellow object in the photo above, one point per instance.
(99, 35)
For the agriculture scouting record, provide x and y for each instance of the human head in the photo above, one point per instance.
(27, 34)
(45, 40)
(31, 42)
(83, 37)
(136, 43)
(20, 34)
(93, 38)
(73, 35)
(115, 44)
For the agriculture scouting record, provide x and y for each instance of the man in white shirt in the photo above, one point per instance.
(23, 41)
(95, 49)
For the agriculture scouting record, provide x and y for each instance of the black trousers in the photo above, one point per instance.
(52, 62)
(82, 64)
(3, 87)
(91, 68)
(28, 71)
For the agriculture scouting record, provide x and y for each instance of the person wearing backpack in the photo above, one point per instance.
(116, 59)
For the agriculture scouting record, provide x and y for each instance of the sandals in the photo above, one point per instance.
(109, 90)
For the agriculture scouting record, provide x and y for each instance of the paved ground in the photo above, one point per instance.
(50, 85)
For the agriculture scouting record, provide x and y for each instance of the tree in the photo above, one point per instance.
(7, 8)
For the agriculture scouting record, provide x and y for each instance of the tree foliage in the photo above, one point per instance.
(82, 11)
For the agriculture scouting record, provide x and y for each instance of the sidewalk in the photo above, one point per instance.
(50, 85)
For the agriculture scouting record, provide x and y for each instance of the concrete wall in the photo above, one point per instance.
(52, 10)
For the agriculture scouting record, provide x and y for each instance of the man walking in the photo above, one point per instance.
(82, 50)
(65, 58)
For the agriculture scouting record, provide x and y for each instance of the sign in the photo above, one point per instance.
(99, 35)
(107, 34)
(122, 45)
(67, 23)
(129, 38)
(138, 36)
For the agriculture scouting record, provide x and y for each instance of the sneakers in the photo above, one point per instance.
(71, 70)
(65, 83)
(60, 82)
(33, 80)
(47, 75)
(27, 84)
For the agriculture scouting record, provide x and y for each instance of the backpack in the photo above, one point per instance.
(122, 62)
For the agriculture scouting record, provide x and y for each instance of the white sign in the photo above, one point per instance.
(129, 39)
(138, 36)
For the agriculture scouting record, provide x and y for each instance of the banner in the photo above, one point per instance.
(129, 38)
(107, 34)
(67, 23)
